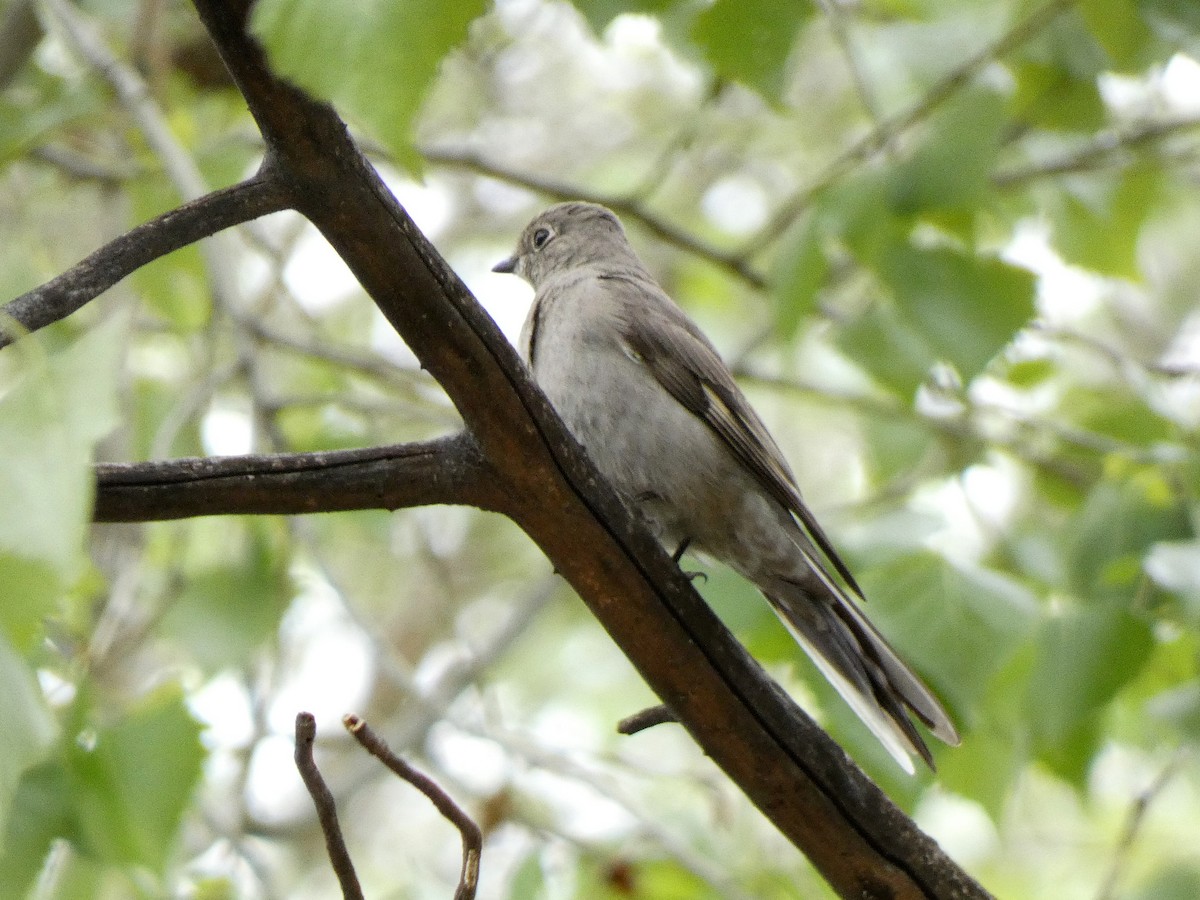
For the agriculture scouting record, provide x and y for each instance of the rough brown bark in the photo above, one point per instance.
(449, 470)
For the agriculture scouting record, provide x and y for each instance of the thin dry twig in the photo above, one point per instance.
(1133, 824)
(179, 227)
(322, 797)
(1102, 149)
(889, 128)
(472, 837)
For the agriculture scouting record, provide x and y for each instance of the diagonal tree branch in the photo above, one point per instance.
(92, 276)
(534, 472)
(861, 842)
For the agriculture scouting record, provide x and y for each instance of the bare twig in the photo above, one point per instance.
(472, 837)
(134, 95)
(1133, 824)
(1102, 149)
(647, 718)
(889, 128)
(82, 167)
(835, 15)
(630, 208)
(87, 279)
(322, 797)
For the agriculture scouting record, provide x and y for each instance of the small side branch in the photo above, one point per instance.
(647, 718)
(1133, 824)
(472, 837)
(322, 797)
(956, 79)
(92, 276)
(446, 470)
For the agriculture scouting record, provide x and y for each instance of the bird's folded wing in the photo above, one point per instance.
(683, 361)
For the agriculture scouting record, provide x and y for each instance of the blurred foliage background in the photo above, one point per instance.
(948, 245)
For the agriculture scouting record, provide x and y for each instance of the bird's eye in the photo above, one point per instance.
(540, 238)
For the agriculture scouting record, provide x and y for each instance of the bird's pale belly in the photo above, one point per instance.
(673, 468)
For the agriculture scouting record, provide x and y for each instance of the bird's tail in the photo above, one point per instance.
(866, 671)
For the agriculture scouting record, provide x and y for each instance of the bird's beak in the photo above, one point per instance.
(506, 266)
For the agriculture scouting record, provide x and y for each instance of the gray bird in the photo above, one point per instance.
(648, 397)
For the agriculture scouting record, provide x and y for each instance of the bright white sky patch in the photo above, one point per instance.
(226, 429)
(737, 204)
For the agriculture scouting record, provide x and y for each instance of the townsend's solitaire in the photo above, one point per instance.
(645, 393)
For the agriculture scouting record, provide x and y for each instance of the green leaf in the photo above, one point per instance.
(1100, 232)
(388, 55)
(1122, 518)
(528, 881)
(859, 211)
(225, 611)
(41, 813)
(750, 40)
(61, 405)
(995, 752)
(746, 613)
(31, 588)
(951, 166)
(666, 879)
(29, 728)
(958, 626)
(1119, 28)
(895, 446)
(613, 879)
(1086, 654)
(888, 348)
(965, 307)
(1176, 881)
(41, 106)
(176, 287)
(1067, 43)
(1175, 21)
(1050, 96)
(798, 276)
(132, 787)
(1117, 414)
(1029, 373)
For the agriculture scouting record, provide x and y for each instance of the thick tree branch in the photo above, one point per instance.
(87, 279)
(447, 470)
(862, 843)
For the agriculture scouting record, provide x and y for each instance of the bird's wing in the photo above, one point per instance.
(683, 361)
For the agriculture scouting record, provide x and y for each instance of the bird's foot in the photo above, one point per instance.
(678, 555)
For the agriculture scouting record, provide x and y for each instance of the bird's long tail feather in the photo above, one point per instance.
(865, 670)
